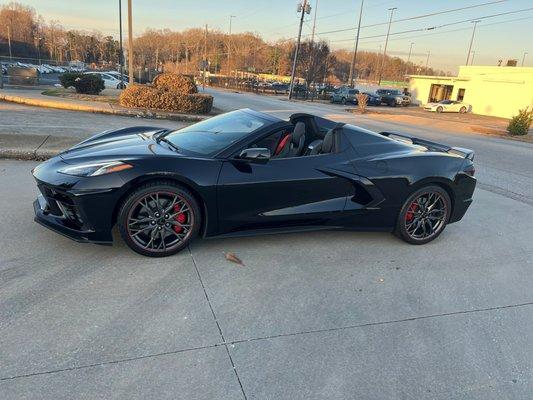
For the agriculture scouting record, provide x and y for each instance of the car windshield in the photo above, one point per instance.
(445, 102)
(208, 137)
(352, 91)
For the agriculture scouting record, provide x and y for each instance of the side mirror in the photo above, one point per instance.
(255, 154)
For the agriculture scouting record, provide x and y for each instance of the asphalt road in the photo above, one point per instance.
(325, 315)
(22, 119)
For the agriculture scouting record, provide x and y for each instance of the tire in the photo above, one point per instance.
(415, 225)
(391, 103)
(439, 109)
(343, 101)
(331, 100)
(462, 110)
(159, 228)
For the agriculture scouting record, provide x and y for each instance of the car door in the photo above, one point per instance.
(283, 192)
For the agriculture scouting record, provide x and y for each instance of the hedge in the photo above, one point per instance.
(68, 78)
(143, 96)
(175, 83)
(89, 84)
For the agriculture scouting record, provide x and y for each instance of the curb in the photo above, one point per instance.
(34, 147)
(139, 113)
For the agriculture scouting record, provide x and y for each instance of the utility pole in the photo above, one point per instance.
(352, 66)
(229, 45)
(130, 43)
(427, 62)
(121, 52)
(305, 8)
(472, 58)
(386, 43)
(205, 57)
(9, 42)
(524, 58)
(408, 58)
(471, 40)
(314, 23)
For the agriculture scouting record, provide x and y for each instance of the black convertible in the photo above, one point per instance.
(246, 172)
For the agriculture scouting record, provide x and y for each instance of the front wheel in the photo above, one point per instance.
(462, 110)
(424, 215)
(440, 109)
(159, 219)
(343, 101)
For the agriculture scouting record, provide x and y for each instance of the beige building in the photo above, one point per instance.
(496, 91)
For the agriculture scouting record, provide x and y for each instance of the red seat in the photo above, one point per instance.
(282, 143)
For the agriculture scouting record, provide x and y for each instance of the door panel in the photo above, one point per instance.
(281, 193)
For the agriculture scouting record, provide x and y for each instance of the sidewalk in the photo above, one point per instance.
(34, 97)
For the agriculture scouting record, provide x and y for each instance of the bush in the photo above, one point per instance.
(89, 84)
(180, 84)
(68, 78)
(143, 96)
(519, 124)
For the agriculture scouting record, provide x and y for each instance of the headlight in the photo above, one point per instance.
(95, 169)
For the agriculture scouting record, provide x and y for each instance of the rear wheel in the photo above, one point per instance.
(424, 215)
(159, 219)
(440, 109)
(343, 101)
(462, 110)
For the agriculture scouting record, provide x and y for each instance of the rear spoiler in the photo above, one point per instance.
(432, 146)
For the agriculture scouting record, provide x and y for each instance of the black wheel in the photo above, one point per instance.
(392, 103)
(424, 215)
(343, 101)
(462, 110)
(439, 109)
(159, 219)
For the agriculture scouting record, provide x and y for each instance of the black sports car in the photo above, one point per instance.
(245, 173)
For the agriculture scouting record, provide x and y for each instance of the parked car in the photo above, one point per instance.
(344, 95)
(117, 74)
(110, 81)
(280, 88)
(448, 106)
(393, 97)
(373, 100)
(247, 172)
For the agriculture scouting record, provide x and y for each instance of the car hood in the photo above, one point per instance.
(122, 143)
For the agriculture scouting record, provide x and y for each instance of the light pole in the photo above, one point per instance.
(427, 62)
(314, 23)
(471, 39)
(229, 44)
(120, 54)
(305, 8)
(386, 42)
(523, 59)
(472, 58)
(352, 66)
(130, 43)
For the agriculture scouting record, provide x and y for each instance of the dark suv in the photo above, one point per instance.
(344, 95)
(393, 97)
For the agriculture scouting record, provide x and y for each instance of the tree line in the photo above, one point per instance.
(184, 51)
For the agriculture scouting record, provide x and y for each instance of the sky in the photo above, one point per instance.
(500, 37)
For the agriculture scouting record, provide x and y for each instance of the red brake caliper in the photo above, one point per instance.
(411, 212)
(181, 218)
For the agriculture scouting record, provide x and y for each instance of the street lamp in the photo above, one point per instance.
(523, 59)
(408, 58)
(229, 44)
(120, 55)
(386, 42)
(352, 66)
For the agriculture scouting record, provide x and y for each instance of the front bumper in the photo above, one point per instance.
(63, 225)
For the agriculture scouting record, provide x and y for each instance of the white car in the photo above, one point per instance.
(110, 81)
(448, 106)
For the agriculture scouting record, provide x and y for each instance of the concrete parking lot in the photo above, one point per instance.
(322, 315)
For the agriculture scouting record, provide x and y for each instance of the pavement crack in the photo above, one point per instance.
(225, 344)
(103, 363)
(43, 142)
(378, 323)
(506, 193)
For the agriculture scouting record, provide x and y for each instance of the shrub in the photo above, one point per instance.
(143, 96)
(68, 78)
(362, 101)
(519, 124)
(89, 84)
(180, 84)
